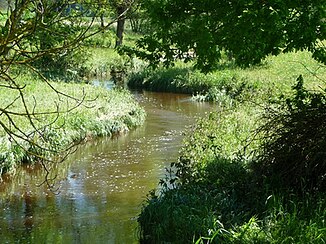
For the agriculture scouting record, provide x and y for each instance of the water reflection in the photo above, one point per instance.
(103, 185)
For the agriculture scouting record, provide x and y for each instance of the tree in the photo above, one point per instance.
(32, 33)
(137, 18)
(250, 30)
(120, 7)
(117, 8)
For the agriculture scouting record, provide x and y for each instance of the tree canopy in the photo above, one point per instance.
(249, 30)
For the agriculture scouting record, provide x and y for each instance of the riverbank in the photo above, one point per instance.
(83, 112)
(66, 111)
(246, 174)
(274, 76)
(226, 187)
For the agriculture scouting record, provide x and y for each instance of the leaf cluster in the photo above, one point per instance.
(247, 30)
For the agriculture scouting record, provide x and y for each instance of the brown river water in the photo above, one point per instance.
(103, 185)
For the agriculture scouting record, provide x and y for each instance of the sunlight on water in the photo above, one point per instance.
(103, 185)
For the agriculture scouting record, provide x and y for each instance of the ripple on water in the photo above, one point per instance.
(107, 180)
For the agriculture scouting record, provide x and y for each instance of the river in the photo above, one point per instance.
(103, 185)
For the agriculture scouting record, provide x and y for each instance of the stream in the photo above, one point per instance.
(103, 185)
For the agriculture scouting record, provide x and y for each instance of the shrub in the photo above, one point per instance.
(293, 151)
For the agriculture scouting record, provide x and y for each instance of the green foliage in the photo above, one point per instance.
(229, 86)
(190, 30)
(70, 66)
(45, 119)
(287, 220)
(101, 40)
(48, 35)
(223, 87)
(168, 80)
(228, 193)
(223, 134)
(106, 63)
(139, 21)
(184, 214)
(41, 36)
(293, 150)
(320, 53)
(211, 183)
(168, 214)
(216, 199)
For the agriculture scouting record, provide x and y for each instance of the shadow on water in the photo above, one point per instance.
(103, 185)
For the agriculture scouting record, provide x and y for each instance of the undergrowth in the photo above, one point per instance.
(294, 136)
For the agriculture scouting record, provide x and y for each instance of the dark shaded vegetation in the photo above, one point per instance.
(293, 150)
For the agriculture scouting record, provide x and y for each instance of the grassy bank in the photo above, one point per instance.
(252, 172)
(275, 76)
(102, 113)
(218, 193)
(218, 197)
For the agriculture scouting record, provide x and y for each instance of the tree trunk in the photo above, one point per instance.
(102, 22)
(120, 26)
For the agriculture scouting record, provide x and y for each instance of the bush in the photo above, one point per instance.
(293, 151)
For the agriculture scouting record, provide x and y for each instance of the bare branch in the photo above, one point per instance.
(23, 42)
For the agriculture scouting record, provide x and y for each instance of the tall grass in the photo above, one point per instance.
(287, 220)
(216, 197)
(101, 114)
(103, 57)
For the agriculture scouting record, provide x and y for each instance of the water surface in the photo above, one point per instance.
(103, 185)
